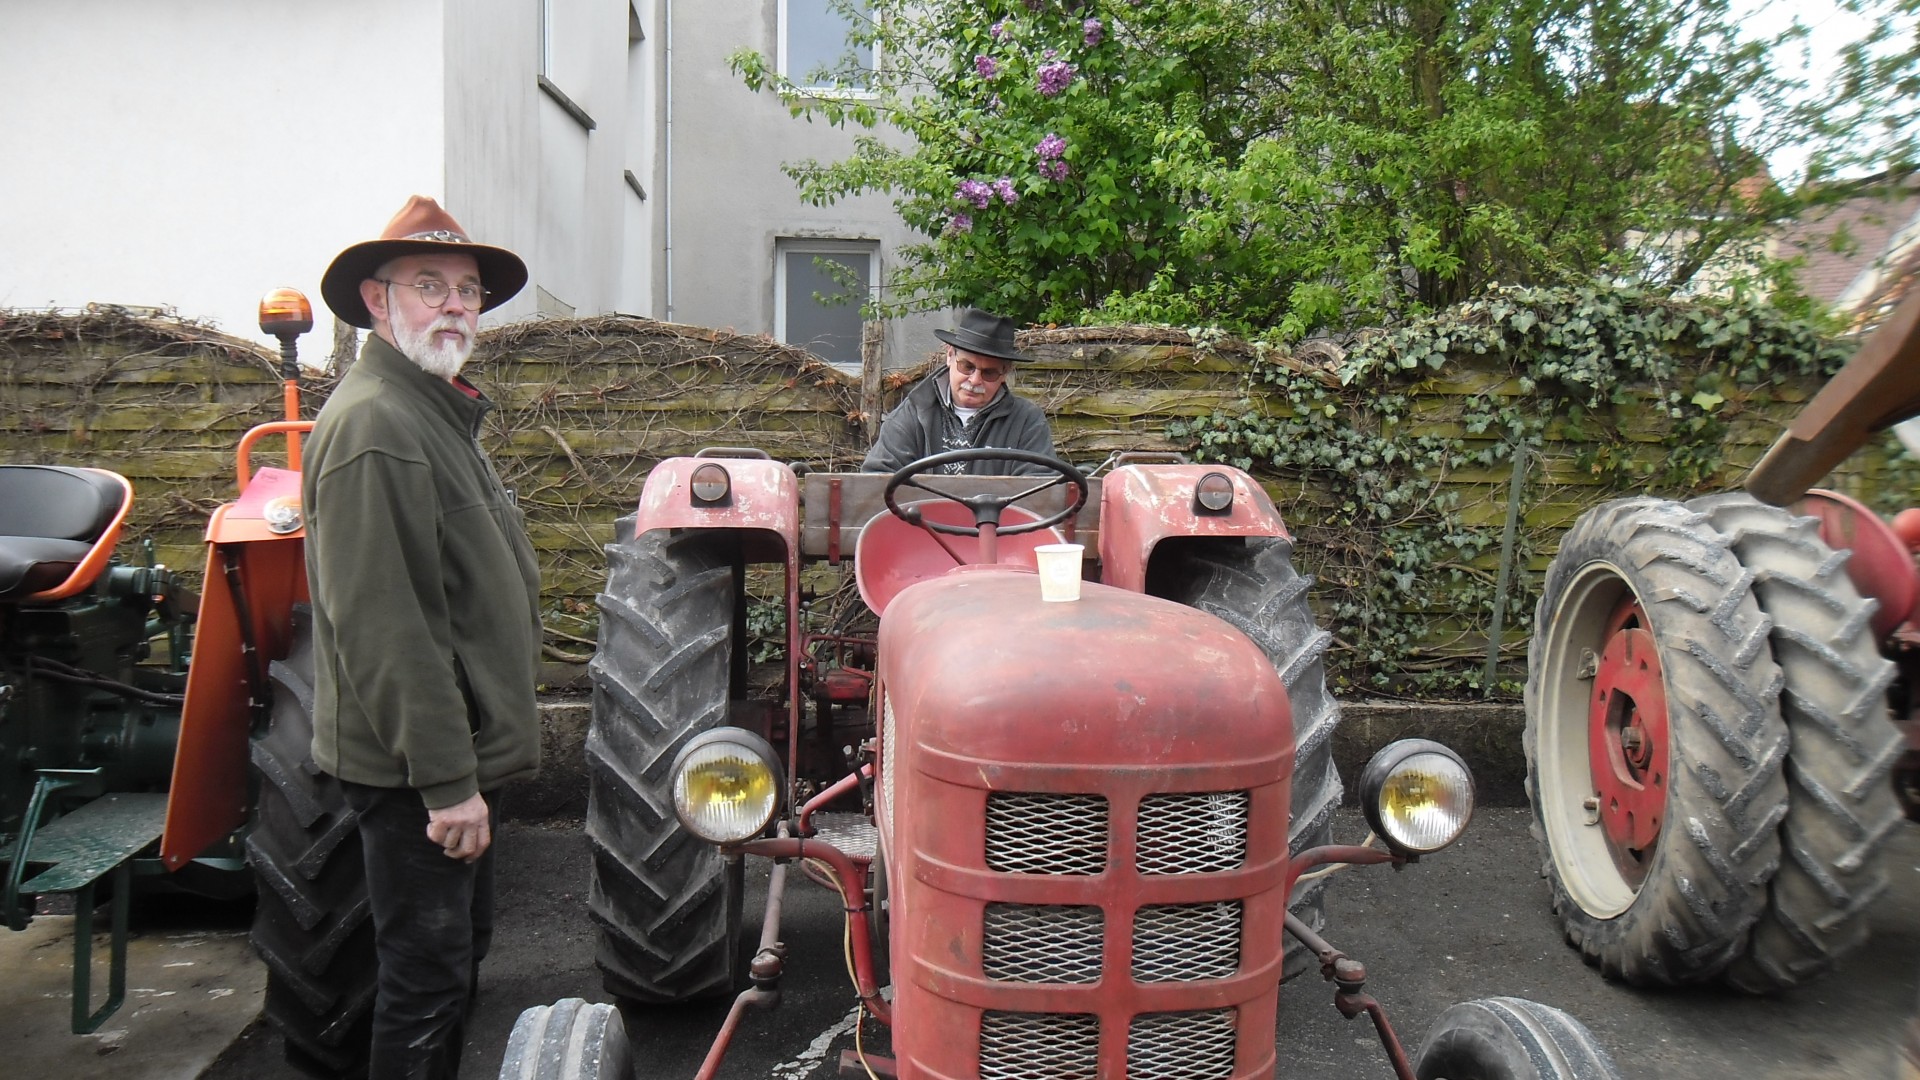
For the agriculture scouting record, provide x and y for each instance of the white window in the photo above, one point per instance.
(818, 288)
(814, 48)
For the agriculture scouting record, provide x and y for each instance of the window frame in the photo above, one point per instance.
(815, 246)
(783, 65)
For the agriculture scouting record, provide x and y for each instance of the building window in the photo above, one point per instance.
(815, 50)
(818, 288)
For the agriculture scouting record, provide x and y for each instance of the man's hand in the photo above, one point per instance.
(461, 829)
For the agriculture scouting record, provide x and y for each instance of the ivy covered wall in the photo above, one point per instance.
(1391, 454)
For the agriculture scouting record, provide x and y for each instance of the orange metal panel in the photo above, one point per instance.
(208, 797)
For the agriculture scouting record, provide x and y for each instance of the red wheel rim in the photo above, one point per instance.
(1627, 742)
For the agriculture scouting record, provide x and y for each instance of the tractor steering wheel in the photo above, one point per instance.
(986, 507)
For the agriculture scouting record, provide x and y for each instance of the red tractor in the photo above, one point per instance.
(1708, 734)
(1088, 829)
(117, 773)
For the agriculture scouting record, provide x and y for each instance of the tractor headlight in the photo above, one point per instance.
(726, 785)
(1418, 796)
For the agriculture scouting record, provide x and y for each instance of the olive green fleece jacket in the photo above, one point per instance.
(426, 609)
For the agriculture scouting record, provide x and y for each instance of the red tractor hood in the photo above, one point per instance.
(988, 670)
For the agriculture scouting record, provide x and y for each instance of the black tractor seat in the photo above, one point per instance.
(51, 517)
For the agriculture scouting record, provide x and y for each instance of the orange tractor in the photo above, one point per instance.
(117, 773)
(1079, 818)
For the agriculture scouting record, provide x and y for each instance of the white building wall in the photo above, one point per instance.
(196, 153)
(729, 200)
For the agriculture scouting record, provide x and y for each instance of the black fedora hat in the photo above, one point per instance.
(420, 228)
(983, 333)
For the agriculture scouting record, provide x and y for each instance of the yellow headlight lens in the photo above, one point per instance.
(725, 792)
(1425, 802)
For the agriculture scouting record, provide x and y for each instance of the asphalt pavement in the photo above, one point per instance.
(1470, 922)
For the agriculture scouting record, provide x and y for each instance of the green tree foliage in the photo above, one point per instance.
(1290, 165)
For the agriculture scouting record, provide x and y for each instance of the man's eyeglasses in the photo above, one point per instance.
(434, 293)
(968, 369)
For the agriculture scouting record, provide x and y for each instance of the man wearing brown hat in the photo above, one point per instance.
(967, 403)
(426, 619)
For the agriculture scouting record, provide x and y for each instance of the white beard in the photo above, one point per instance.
(441, 359)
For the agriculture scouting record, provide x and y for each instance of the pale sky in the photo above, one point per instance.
(1829, 28)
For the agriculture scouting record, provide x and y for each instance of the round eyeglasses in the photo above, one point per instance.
(970, 370)
(433, 292)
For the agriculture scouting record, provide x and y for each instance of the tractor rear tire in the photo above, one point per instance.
(568, 1040)
(1648, 608)
(1509, 1038)
(1841, 810)
(311, 924)
(667, 906)
(1253, 586)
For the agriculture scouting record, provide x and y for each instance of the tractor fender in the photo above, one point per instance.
(762, 497)
(1141, 505)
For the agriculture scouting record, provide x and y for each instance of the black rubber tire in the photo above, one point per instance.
(311, 924)
(1841, 810)
(1509, 1038)
(568, 1040)
(1706, 880)
(1252, 585)
(667, 906)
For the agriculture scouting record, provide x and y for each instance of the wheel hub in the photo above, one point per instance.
(1627, 743)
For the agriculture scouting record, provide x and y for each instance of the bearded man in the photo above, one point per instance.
(426, 620)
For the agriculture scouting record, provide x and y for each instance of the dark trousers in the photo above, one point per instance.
(432, 923)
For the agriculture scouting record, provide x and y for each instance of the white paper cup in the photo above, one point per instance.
(1059, 570)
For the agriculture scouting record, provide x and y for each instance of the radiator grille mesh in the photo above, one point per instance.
(1032, 943)
(1030, 1046)
(1182, 1045)
(1046, 834)
(886, 762)
(1193, 832)
(1186, 942)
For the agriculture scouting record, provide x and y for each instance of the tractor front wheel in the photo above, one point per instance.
(1654, 743)
(1253, 585)
(568, 1040)
(1507, 1038)
(311, 924)
(668, 907)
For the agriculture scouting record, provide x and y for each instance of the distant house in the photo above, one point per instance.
(194, 154)
(1857, 255)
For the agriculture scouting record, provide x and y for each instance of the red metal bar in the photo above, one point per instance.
(290, 397)
(838, 788)
(1338, 853)
(793, 670)
(1350, 979)
(853, 889)
(768, 964)
(244, 456)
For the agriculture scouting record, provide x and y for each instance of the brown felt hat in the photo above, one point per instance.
(983, 333)
(420, 228)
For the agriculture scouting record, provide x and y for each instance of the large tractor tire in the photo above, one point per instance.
(667, 906)
(1508, 1038)
(1654, 743)
(311, 924)
(1254, 587)
(1840, 808)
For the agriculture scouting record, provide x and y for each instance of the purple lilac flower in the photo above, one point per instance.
(999, 31)
(1050, 54)
(1094, 32)
(1003, 187)
(1051, 147)
(1053, 170)
(1055, 77)
(960, 223)
(985, 66)
(975, 192)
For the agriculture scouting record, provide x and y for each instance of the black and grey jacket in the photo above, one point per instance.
(925, 424)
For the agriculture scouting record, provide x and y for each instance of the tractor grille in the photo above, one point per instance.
(1186, 942)
(1031, 943)
(1193, 832)
(886, 763)
(1046, 834)
(1027, 1046)
(1182, 1045)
